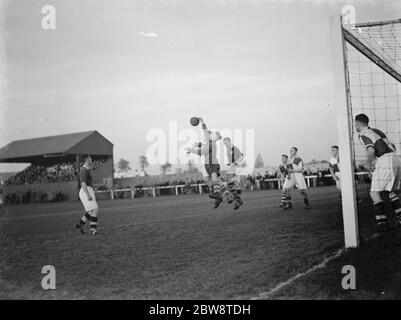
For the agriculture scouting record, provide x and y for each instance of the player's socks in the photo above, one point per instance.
(93, 225)
(226, 193)
(288, 203)
(283, 200)
(395, 203)
(84, 219)
(380, 215)
(216, 189)
(234, 190)
(231, 187)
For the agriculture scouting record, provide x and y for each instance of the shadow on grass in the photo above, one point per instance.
(377, 263)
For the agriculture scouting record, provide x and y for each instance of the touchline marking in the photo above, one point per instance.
(266, 295)
(323, 264)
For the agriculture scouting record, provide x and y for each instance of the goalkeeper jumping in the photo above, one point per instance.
(208, 149)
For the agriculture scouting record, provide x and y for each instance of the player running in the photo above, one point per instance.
(87, 197)
(208, 149)
(385, 167)
(295, 178)
(235, 161)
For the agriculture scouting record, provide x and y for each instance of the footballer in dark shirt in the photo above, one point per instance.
(87, 197)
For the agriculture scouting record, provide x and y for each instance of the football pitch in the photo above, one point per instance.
(179, 247)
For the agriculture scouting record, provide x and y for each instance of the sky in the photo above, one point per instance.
(126, 67)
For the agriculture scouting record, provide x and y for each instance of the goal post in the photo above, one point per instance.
(344, 123)
(367, 79)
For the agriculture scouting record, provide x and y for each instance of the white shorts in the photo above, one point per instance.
(387, 174)
(88, 205)
(295, 180)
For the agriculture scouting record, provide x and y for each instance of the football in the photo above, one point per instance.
(194, 121)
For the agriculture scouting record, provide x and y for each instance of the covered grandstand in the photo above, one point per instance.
(54, 166)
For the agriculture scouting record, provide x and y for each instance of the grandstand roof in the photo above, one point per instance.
(31, 150)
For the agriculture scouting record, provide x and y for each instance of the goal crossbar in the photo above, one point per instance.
(377, 23)
(351, 39)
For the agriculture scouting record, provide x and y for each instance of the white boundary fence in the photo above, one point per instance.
(199, 186)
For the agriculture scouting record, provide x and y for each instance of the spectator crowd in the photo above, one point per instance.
(179, 184)
(56, 172)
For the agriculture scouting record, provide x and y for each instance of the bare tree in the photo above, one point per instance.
(259, 162)
(123, 165)
(143, 163)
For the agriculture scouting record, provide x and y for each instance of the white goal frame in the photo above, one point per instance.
(344, 127)
(340, 36)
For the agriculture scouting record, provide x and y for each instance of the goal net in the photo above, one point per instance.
(369, 55)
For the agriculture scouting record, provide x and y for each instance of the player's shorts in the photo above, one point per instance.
(295, 180)
(88, 205)
(387, 174)
(212, 168)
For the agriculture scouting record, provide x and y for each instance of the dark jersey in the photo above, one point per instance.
(209, 148)
(284, 169)
(85, 176)
(376, 139)
(295, 163)
(233, 154)
(210, 152)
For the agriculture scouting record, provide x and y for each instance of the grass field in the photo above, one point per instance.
(179, 247)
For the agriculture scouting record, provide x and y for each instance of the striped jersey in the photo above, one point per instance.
(295, 163)
(283, 169)
(375, 138)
